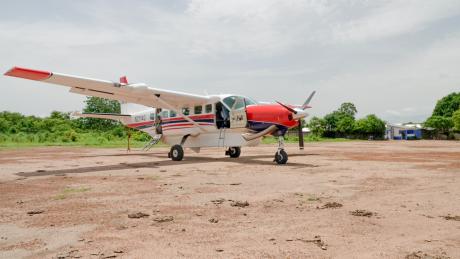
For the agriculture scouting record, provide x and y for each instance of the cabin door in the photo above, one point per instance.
(238, 117)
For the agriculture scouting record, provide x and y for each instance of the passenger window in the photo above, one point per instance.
(198, 109)
(152, 116)
(186, 111)
(172, 114)
(208, 108)
(164, 114)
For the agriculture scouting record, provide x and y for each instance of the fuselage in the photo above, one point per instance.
(258, 117)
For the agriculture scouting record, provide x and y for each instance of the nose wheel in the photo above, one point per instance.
(233, 152)
(281, 157)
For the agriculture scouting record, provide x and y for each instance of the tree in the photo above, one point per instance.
(4, 125)
(447, 105)
(317, 126)
(100, 105)
(59, 115)
(371, 125)
(456, 119)
(348, 109)
(345, 125)
(440, 123)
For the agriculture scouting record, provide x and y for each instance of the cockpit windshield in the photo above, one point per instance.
(238, 102)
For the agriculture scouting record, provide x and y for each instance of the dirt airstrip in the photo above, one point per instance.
(333, 200)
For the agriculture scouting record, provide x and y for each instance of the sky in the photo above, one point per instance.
(392, 58)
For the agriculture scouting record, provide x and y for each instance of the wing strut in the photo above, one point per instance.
(179, 112)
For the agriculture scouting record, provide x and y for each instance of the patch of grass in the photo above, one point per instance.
(69, 191)
(305, 197)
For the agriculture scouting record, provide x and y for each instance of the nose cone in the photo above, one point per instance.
(300, 115)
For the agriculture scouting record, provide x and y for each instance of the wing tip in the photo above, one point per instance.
(28, 73)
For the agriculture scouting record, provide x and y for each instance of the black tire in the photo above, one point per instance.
(176, 153)
(281, 157)
(234, 152)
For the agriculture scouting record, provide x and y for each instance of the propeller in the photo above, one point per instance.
(299, 114)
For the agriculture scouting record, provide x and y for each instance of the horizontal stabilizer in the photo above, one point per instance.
(123, 118)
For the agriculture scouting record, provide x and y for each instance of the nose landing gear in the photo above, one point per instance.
(233, 152)
(281, 157)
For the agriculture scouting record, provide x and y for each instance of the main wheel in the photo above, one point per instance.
(176, 153)
(234, 152)
(281, 157)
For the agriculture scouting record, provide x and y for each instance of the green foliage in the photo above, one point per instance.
(331, 121)
(348, 109)
(447, 105)
(342, 123)
(371, 125)
(59, 129)
(456, 120)
(4, 125)
(441, 124)
(345, 125)
(317, 126)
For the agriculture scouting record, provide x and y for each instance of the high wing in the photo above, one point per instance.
(131, 93)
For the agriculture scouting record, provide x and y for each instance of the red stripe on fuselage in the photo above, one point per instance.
(193, 117)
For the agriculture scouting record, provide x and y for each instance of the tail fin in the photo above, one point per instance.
(130, 108)
(307, 102)
(124, 80)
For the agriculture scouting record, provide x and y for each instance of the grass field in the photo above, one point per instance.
(119, 143)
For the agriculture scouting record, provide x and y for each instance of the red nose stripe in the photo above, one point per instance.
(28, 73)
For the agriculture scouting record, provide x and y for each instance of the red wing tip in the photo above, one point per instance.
(28, 73)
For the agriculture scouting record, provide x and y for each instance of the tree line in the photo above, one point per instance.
(445, 118)
(343, 123)
(59, 127)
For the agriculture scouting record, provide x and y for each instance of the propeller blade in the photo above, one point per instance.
(307, 102)
(301, 141)
(287, 107)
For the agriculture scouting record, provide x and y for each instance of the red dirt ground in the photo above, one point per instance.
(82, 198)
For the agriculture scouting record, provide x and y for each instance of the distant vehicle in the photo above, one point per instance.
(185, 120)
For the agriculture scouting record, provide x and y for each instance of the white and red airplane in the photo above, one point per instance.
(185, 120)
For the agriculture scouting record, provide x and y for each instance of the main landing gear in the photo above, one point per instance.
(233, 152)
(281, 157)
(176, 153)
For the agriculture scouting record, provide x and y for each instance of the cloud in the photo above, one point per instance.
(382, 55)
(395, 18)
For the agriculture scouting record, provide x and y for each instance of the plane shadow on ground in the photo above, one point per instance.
(246, 160)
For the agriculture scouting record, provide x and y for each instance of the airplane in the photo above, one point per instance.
(184, 120)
